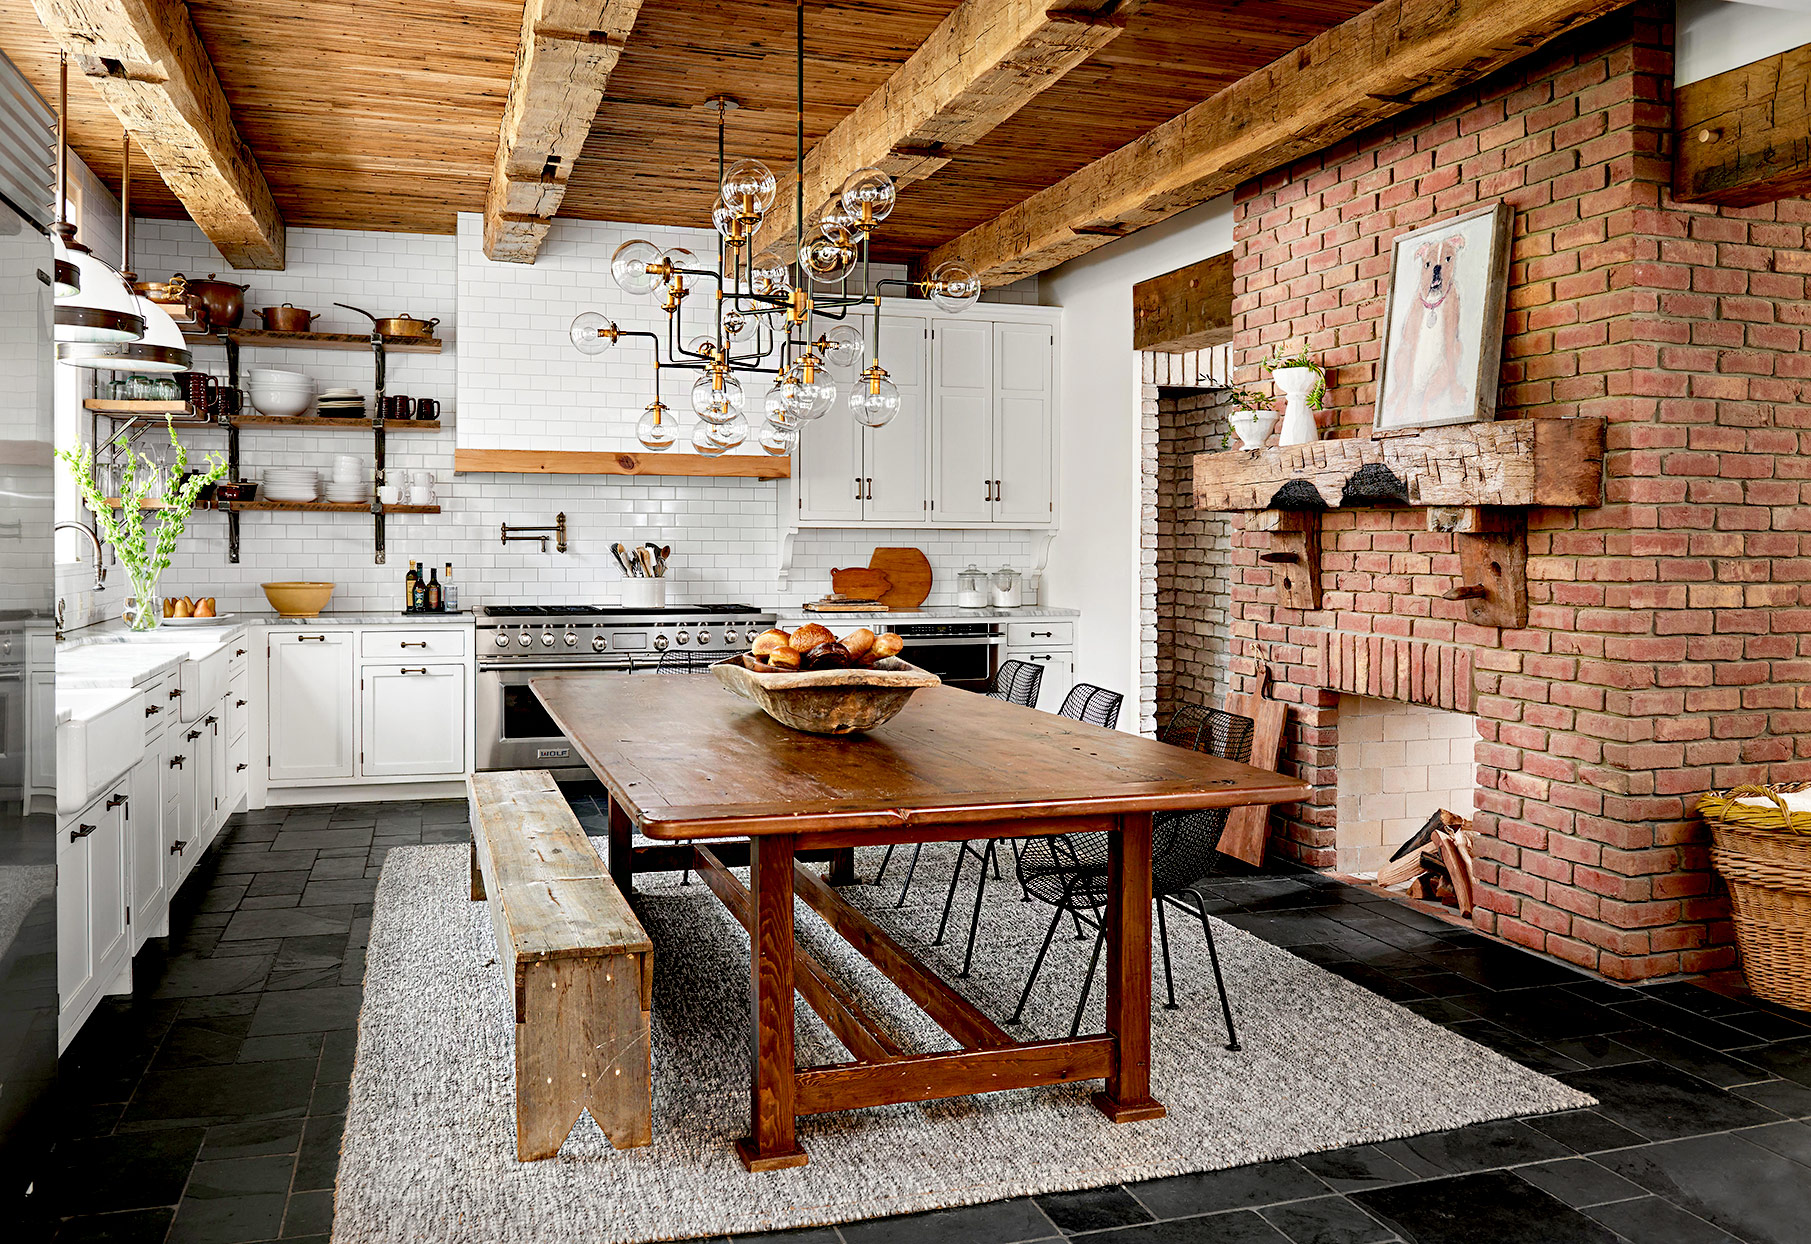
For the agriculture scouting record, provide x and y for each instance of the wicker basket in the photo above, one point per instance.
(1764, 855)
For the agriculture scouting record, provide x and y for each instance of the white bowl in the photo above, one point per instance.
(1253, 427)
(278, 376)
(280, 404)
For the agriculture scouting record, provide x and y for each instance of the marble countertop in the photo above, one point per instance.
(368, 619)
(934, 613)
(100, 663)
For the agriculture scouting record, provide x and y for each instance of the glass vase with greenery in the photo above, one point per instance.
(145, 554)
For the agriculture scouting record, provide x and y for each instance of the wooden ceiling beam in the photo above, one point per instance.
(984, 62)
(1387, 59)
(565, 58)
(1743, 137)
(146, 61)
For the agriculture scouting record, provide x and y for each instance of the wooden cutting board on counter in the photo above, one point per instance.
(909, 572)
(1248, 829)
(860, 583)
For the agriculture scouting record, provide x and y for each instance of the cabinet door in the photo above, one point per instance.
(238, 773)
(312, 729)
(962, 421)
(1024, 424)
(895, 456)
(213, 800)
(75, 925)
(1059, 675)
(414, 720)
(109, 871)
(827, 469)
(39, 708)
(148, 843)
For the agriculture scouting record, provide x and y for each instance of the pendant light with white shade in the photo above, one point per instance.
(162, 347)
(100, 308)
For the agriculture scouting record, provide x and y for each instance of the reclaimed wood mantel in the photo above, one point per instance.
(1514, 462)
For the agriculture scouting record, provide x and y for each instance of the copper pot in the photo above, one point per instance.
(406, 326)
(224, 300)
(287, 319)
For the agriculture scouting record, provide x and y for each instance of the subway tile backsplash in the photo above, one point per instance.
(506, 363)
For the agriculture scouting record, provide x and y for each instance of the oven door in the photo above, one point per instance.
(966, 661)
(514, 730)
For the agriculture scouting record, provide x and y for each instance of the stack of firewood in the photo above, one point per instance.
(1435, 864)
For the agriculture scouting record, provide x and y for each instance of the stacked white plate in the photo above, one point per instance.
(291, 484)
(343, 403)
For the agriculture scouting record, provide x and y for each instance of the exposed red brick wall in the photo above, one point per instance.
(1666, 652)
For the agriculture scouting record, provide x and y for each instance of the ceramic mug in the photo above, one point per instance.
(427, 408)
(421, 494)
(390, 494)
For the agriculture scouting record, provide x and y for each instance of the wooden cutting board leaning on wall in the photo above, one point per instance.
(910, 572)
(1248, 829)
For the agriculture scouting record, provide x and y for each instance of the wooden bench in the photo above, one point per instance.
(582, 969)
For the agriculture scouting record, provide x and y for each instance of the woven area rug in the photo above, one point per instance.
(429, 1148)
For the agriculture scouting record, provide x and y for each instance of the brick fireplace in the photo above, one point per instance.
(1666, 650)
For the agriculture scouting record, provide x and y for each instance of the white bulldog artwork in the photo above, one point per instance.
(1444, 322)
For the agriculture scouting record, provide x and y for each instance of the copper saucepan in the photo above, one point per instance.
(397, 325)
(288, 319)
(224, 300)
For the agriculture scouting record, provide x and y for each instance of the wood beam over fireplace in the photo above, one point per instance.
(1511, 462)
(567, 52)
(1391, 57)
(144, 58)
(1743, 137)
(984, 62)
(1188, 309)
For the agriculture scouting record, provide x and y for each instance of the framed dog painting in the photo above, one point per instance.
(1443, 322)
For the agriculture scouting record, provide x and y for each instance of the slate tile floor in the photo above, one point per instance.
(207, 1108)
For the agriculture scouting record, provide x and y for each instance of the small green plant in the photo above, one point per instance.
(1294, 353)
(145, 557)
(1251, 399)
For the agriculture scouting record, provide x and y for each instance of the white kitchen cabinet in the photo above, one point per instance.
(961, 431)
(828, 465)
(1059, 673)
(414, 720)
(40, 697)
(1024, 427)
(94, 948)
(148, 844)
(312, 706)
(847, 473)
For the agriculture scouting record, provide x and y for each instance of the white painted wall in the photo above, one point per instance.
(1715, 36)
(1094, 559)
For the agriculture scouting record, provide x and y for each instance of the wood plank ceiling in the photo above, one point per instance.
(380, 117)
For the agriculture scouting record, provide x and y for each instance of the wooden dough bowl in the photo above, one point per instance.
(826, 701)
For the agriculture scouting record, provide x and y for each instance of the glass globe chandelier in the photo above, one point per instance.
(788, 344)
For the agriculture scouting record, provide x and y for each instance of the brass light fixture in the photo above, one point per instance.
(783, 321)
(100, 308)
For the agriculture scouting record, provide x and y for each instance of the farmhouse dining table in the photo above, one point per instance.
(698, 770)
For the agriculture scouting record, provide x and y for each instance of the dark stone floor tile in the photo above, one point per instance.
(238, 1091)
(1524, 1050)
(251, 1140)
(269, 902)
(1438, 1010)
(1739, 1187)
(1383, 983)
(310, 1213)
(1596, 1051)
(223, 1004)
(1480, 1146)
(265, 861)
(241, 1175)
(307, 1010)
(293, 840)
(1789, 1140)
(1241, 1226)
(328, 893)
(279, 1047)
(1790, 1060)
(1354, 1168)
(338, 869)
(329, 1098)
(289, 922)
(250, 946)
(144, 1226)
(446, 833)
(1766, 1026)
(304, 978)
(1786, 1096)
(277, 883)
(1651, 1220)
(1546, 1013)
(1240, 1187)
(337, 1052)
(1326, 1220)
(1683, 1023)
(997, 1222)
(1579, 1182)
(228, 1219)
(1663, 1103)
(1501, 967)
(319, 1159)
(1718, 1068)
(324, 950)
(803, 1235)
(206, 1042)
(1092, 1209)
(108, 1173)
(193, 978)
(1492, 1206)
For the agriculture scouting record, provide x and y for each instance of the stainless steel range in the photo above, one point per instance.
(520, 642)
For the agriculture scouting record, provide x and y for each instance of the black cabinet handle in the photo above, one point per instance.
(151, 710)
(1043, 634)
(81, 831)
(238, 652)
(178, 847)
(176, 761)
(238, 703)
(210, 721)
(239, 769)
(176, 693)
(193, 735)
(117, 800)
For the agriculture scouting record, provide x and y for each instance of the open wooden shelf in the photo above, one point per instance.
(119, 409)
(317, 421)
(581, 462)
(329, 507)
(315, 341)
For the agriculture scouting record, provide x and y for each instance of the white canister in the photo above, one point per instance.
(971, 588)
(1006, 591)
(644, 593)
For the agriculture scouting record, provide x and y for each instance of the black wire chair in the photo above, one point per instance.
(1085, 702)
(1070, 871)
(1017, 682)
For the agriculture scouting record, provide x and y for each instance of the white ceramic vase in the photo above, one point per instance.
(1298, 420)
(1253, 427)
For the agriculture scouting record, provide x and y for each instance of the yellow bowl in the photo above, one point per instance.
(298, 600)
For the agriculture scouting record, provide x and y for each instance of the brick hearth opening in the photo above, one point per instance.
(1396, 765)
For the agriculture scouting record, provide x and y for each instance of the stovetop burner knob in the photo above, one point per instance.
(597, 643)
(502, 640)
(660, 643)
(546, 639)
(525, 639)
(704, 637)
(684, 637)
(571, 639)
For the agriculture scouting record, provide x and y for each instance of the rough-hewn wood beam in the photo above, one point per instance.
(147, 62)
(1744, 137)
(1188, 309)
(983, 63)
(1386, 59)
(567, 52)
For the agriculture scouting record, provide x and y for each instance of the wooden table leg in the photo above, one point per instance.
(622, 849)
(1128, 915)
(842, 867)
(771, 1144)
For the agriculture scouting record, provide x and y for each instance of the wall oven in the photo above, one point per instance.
(962, 654)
